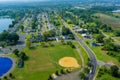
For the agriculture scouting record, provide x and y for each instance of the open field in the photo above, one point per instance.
(116, 14)
(114, 22)
(107, 77)
(118, 38)
(102, 55)
(43, 62)
(83, 52)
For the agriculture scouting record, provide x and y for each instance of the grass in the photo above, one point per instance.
(102, 55)
(110, 20)
(43, 62)
(116, 14)
(110, 34)
(118, 38)
(83, 52)
(107, 77)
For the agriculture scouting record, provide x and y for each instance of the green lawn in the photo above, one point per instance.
(101, 55)
(43, 62)
(110, 20)
(83, 52)
(118, 38)
(107, 77)
(85, 55)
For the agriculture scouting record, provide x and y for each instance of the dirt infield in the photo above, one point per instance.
(69, 62)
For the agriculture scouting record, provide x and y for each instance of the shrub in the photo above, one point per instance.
(58, 73)
(63, 71)
(16, 51)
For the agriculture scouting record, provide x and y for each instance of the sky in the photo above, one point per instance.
(20, 0)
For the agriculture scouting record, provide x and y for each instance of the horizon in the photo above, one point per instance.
(23, 0)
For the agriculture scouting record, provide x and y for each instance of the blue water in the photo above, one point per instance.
(5, 65)
(4, 23)
(116, 11)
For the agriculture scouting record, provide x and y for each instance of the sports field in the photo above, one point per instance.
(44, 61)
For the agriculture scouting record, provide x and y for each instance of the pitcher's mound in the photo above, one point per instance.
(69, 62)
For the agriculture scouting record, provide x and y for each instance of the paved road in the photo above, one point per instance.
(91, 55)
(89, 51)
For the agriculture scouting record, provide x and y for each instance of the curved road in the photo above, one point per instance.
(88, 50)
(91, 55)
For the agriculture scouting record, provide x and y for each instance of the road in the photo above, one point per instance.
(107, 36)
(91, 55)
(88, 50)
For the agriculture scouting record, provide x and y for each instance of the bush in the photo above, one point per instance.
(43, 44)
(58, 73)
(16, 51)
(73, 46)
(82, 75)
(50, 78)
(114, 71)
(63, 71)
(23, 56)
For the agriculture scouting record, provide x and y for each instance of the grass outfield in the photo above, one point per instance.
(43, 62)
(114, 22)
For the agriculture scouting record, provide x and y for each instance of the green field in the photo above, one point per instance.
(107, 77)
(43, 61)
(83, 52)
(102, 55)
(114, 22)
(118, 38)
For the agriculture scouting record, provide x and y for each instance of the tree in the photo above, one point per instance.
(65, 31)
(86, 70)
(82, 75)
(10, 75)
(114, 70)
(5, 77)
(16, 51)
(23, 56)
(28, 43)
(99, 38)
(21, 27)
(9, 38)
(117, 33)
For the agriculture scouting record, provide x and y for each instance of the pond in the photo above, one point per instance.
(116, 11)
(5, 65)
(4, 23)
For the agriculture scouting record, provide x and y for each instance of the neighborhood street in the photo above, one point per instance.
(89, 51)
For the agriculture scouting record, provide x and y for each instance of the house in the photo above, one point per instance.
(39, 37)
(85, 35)
(81, 30)
(51, 38)
(93, 44)
(32, 39)
(66, 37)
(96, 44)
(38, 27)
